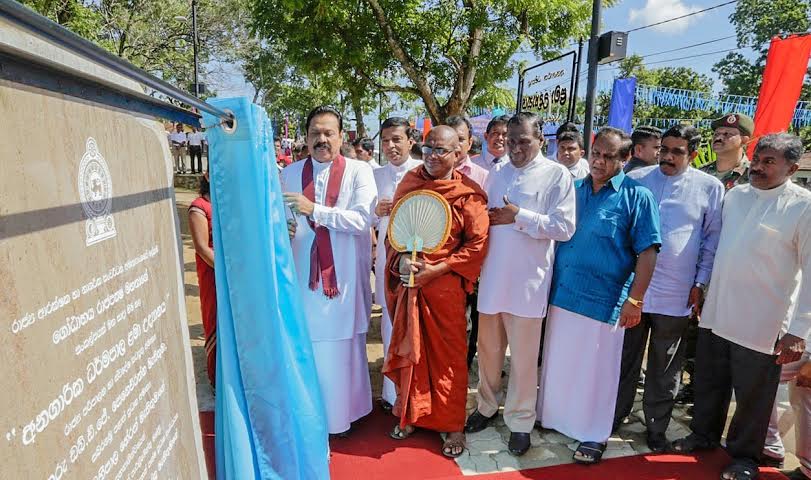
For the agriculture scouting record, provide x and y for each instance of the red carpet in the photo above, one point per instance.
(370, 454)
(706, 466)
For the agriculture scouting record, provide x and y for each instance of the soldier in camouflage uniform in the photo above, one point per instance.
(731, 134)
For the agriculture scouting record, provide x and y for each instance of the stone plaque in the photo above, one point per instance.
(97, 380)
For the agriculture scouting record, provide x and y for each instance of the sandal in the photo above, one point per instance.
(398, 433)
(589, 453)
(690, 444)
(453, 448)
(739, 471)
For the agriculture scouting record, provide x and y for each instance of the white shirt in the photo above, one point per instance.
(177, 137)
(347, 315)
(387, 178)
(690, 218)
(757, 292)
(373, 163)
(517, 271)
(195, 138)
(580, 169)
(488, 161)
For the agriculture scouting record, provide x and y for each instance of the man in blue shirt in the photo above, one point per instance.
(690, 210)
(600, 278)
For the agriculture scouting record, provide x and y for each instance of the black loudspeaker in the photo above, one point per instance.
(612, 47)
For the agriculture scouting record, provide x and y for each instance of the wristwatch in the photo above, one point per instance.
(699, 285)
(635, 302)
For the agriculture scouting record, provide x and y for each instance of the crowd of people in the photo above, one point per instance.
(578, 266)
(193, 144)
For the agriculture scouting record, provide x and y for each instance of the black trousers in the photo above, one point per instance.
(722, 367)
(472, 302)
(196, 151)
(662, 372)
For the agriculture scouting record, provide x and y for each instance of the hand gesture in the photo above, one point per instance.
(804, 375)
(298, 203)
(630, 315)
(505, 215)
(696, 300)
(383, 208)
(789, 349)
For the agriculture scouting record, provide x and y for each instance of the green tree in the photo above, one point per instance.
(80, 18)
(446, 52)
(756, 22)
(155, 35)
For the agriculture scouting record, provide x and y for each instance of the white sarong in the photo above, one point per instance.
(579, 376)
(343, 374)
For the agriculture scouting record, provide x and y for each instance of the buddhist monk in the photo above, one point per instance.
(427, 358)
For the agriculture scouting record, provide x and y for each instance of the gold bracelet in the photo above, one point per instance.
(635, 302)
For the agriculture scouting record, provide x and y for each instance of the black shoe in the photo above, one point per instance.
(386, 406)
(657, 442)
(686, 395)
(796, 474)
(519, 444)
(333, 436)
(773, 462)
(477, 422)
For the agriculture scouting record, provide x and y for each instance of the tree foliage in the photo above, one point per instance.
(756, 22)
(155, 35)
(449, 53)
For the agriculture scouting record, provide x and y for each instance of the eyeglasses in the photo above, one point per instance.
(439, 151)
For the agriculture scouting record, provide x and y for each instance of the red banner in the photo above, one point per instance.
(783, 77)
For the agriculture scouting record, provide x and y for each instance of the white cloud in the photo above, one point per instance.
(658, 10)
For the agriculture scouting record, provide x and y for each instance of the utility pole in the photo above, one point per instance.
(194, 46)
(591, 87)
(573, 116)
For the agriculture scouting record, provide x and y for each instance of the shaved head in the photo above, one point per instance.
(441, 151)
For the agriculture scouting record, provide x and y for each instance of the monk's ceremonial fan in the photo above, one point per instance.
(420, 222)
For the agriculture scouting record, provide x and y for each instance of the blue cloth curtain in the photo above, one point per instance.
(270, 421)
(621, 111)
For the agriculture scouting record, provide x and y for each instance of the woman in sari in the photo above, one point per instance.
(200, 226)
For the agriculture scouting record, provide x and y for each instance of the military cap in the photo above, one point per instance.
(743, 123)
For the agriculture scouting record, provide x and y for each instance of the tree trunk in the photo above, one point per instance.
(358, 110)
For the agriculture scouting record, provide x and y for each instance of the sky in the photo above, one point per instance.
(712, 26)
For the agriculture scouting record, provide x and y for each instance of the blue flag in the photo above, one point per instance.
(621, 111)
(270, 422)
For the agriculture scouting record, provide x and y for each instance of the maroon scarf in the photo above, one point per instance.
(322, 264)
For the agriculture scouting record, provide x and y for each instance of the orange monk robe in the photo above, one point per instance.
(427, 359)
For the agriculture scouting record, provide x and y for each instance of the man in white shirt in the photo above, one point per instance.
(758, 310)
(196, 139)
(496, 137)
(570, 154)
(177, 142)
(395, 134)
(532, 204)
(333, 198)
(690, 223)
(365, 151)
